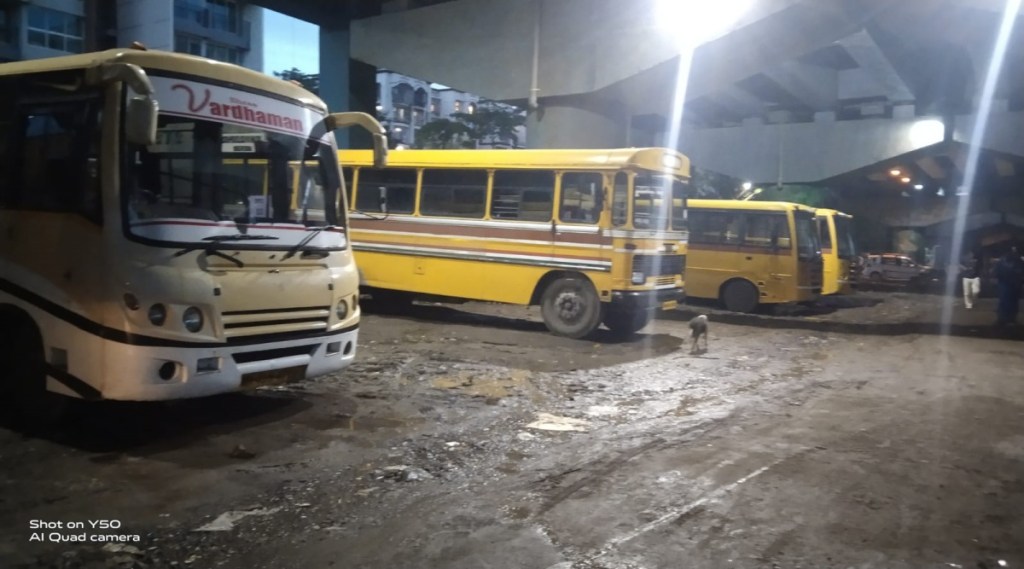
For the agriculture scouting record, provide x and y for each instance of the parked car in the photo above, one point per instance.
(892, 268)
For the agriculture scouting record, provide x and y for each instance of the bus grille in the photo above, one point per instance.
(273, 322)
(657, 265)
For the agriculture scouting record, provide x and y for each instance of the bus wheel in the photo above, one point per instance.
(30, 405)
(570, 307)
(626, 323)
(740, 296)
(875, 277)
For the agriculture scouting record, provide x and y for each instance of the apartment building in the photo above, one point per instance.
(405, 104)
(226, 30)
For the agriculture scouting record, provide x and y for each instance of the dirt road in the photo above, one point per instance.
(468, 437)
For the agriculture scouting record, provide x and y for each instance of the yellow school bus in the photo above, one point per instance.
(749, 253)
(837, 250)
(591, 236)
(137, 263)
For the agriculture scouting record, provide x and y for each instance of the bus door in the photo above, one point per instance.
(767, 253)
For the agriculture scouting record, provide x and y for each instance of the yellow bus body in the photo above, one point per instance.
(731, 256)
(836, 260)
(493, 257)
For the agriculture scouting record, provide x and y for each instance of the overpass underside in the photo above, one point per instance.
(825, 92)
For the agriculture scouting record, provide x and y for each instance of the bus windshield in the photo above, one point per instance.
(225, 160)
(653, 196)
(844, 238)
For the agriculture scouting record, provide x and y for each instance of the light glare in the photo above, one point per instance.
(694, 23)
(926, 132)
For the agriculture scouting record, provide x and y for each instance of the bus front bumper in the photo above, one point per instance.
(199, 372)
(633, 300)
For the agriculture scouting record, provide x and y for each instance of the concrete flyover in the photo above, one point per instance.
(827, 92)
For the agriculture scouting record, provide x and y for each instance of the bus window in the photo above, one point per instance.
(58, 144)
(844, 237)
(658, 197)
(400, 185)
(824, 233)
(620, 200)
(581, 197)
(806, 236)
(454, 193)
(767, 230)
(715, 227)
(523, 194)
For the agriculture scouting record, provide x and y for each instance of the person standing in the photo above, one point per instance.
(971, 277)
(1010, 277)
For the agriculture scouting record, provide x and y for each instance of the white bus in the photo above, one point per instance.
(150, 244)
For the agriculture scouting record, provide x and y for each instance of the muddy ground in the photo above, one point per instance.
(851, 434)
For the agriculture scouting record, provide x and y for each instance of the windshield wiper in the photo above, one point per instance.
(211, 248)
(238, 237)
(211, 251)
(305, 240)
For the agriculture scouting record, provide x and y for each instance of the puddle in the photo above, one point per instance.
(477, 383)
(372, 424)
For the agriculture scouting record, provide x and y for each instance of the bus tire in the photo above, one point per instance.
(30, 406)
(624, 324)
(570, 307)
(876, 277)
(740, 296)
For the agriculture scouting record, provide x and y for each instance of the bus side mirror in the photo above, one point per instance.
(380, 141)
(140, 120)
(141, 110)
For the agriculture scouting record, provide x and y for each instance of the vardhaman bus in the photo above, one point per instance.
(136, 263)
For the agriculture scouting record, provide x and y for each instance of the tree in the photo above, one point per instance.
(490, 123)
(311, 81)
(813, 196)
(443, 133)
(712, 185)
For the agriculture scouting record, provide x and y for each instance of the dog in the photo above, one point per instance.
(698, 328)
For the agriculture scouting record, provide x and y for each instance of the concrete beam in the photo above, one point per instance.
(876, 76)
(815, 86)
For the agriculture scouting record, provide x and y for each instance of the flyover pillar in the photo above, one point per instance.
(346, 84)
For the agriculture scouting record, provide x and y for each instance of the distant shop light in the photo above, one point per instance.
(895, 172)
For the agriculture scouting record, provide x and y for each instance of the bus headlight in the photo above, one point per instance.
(192, 318)
(341, 310)
(639, 278)
(157, 314)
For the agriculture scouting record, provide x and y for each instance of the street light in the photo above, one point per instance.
(695, 23)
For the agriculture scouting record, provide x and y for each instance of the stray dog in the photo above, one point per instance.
(698, 328)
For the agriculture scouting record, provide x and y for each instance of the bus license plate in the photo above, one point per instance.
(273, 377)
(670, 305)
